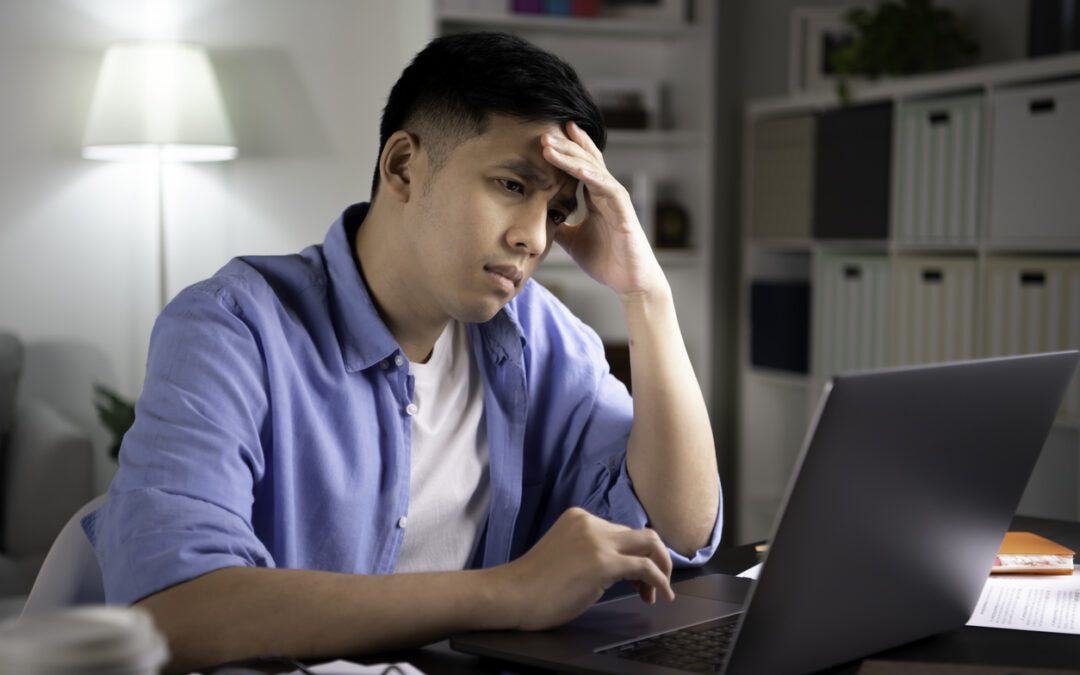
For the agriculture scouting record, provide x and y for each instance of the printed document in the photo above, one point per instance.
(1047, 603)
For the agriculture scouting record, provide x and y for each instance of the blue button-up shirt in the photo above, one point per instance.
(272, 429)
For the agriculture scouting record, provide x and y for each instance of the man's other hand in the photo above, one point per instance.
(579, 558)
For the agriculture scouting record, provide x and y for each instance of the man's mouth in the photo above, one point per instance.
(508, 276)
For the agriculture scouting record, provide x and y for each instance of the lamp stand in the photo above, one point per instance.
(163, 290)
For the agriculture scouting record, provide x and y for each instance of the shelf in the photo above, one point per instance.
(943, 248)
(852, 245)
(922, 86)
(667, 258)
(783, 245)
(1050, 248)
(561, 24)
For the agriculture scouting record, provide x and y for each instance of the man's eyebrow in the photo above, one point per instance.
(526, 170)
(530, 173)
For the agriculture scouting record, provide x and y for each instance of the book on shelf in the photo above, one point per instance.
(1028, 553)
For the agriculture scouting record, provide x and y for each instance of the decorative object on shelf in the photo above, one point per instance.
(672, 11)
(1053, 27)
(585, 8)
(627, 102)
(901, 37)
(529, 6)
(672, 225)
(557, 7)
(815, 35)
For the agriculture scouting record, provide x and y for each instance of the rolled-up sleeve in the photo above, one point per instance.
(611, 493)
(181, 503)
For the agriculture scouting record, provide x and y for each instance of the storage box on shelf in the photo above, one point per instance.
(933, 310)
(936, 183)
(945, 221)
(1036, 166)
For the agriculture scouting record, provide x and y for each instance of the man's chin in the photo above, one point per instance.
(480, 313)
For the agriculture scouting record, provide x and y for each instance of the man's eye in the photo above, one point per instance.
(512, 186)
(557, 217)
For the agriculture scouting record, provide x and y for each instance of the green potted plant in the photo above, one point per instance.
(116, 413)
(901, 37)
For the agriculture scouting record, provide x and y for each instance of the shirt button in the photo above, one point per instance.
(402, 521)
(398, 360)
(412, 409)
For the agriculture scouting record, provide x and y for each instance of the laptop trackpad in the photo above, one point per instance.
(629, 617)
(722, 587)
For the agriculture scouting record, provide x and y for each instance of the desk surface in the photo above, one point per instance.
(987, 646)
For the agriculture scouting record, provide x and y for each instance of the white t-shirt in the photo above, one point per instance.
(449, 486)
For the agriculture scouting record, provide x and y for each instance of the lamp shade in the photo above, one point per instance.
(158, 99)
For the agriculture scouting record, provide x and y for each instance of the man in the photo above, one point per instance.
(397, 435)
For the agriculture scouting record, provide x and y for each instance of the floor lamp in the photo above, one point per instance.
(158, 102)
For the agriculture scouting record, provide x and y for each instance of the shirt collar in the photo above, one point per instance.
(363, 336)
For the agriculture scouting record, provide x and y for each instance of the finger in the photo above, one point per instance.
(578, 135)
(570, 148)
(647, 593)
(646, 543)
(636, 568)
(599, 182)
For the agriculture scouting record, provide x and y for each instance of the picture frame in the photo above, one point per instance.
(815, 33)
(628, 102)
(669, 11)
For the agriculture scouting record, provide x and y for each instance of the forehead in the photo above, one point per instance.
(508, 140)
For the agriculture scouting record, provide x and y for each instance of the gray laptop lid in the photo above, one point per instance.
(893, 516)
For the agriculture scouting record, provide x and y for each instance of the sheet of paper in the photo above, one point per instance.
(350, 668)
(1047, 603)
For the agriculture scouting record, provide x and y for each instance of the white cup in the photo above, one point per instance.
(93, 639)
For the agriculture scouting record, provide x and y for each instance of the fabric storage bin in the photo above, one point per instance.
(1035, 181)
(936, 180)
(782, 182)
(851, 172)
(851, 313)
(1033, 305)
(780, 325)
(933, 310)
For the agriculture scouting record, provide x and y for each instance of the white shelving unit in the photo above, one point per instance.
(677, 156)
(776, 406)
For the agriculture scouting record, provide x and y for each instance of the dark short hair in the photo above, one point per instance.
(457, 81)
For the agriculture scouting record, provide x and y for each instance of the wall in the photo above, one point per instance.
(304, 83)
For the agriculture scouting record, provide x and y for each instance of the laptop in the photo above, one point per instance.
(907, 482)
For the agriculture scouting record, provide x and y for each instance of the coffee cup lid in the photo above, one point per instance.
(82, 639)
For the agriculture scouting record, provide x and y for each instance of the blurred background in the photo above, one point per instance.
(827, 189)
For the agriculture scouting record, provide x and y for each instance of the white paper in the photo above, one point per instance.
(350, 668)
(1047, 603)
(751, 573)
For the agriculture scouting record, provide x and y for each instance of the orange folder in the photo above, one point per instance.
(1028, 553)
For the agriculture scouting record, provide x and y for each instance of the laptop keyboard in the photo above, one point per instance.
(698, 649)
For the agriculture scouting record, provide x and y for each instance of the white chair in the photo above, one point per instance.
(70, 574)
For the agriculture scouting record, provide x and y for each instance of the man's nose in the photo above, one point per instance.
(530, 233)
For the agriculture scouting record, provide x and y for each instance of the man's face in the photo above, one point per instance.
(486, 219)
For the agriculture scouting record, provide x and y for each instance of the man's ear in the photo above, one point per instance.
(398, 164)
